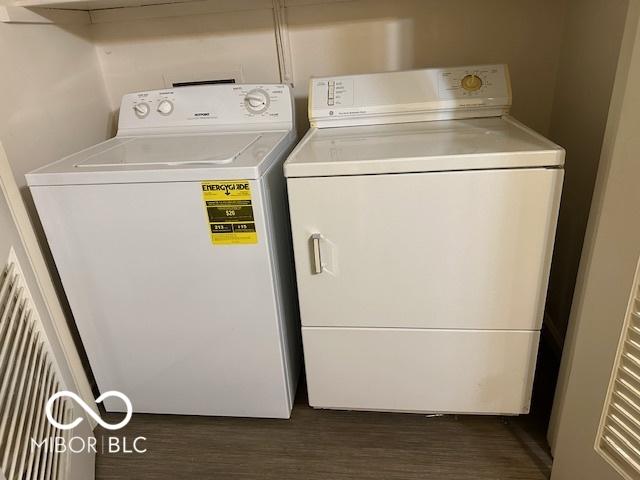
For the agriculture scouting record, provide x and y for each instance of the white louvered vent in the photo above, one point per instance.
(28, 377)
(618, 439)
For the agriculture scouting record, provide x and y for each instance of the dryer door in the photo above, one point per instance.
(448, 250)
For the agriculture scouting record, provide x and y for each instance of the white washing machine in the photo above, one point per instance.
(173, 246)
(423, 221)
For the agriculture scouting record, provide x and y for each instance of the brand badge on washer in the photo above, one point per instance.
(230, 212)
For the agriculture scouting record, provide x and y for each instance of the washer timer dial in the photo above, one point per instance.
(256, 101)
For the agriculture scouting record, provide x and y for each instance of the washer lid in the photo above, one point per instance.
(474, 144)
(171, 151)
(165, 158)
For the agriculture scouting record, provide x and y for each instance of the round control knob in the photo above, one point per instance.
(471, 83)
(257, 101)
(165, 107)
(141, 110)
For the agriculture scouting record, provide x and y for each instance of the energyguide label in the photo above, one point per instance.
(230, 212)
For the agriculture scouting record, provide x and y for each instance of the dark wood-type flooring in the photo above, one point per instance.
(332, 445)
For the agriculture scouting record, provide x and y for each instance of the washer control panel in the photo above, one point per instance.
(146, 105)
(416, 95)
(207, 105)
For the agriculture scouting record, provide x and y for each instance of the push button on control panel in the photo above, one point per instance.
(331, 93)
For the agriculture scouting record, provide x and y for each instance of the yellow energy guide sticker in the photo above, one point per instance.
(230, 212)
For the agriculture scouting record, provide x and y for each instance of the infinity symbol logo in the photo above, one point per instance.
(87, 408)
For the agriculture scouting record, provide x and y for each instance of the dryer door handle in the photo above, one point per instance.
(316, 253)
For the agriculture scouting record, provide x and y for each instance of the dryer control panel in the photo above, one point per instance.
(416, 95)
(208, 107)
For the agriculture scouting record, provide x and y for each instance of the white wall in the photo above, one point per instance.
(52, 94)
(588, 61)
(370, 36)
(141, 54)
(338, 38)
